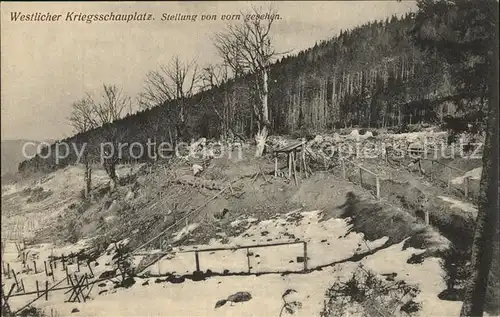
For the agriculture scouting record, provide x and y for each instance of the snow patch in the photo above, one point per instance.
(459, 204)
(184, 231)
(472, 174)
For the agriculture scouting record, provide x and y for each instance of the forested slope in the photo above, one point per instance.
(372, 76)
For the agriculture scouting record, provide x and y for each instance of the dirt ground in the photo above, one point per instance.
(163, 205)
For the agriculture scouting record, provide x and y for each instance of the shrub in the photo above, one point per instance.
(123, 264)
(72, 231)
(455, 264)
(30, 311)
(366, 295)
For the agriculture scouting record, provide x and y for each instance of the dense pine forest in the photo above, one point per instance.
(372, 76)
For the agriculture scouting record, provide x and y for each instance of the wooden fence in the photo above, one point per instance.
(247, 247)
(360, 169)
(466, 189)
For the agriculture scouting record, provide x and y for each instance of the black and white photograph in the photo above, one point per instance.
(250, 158)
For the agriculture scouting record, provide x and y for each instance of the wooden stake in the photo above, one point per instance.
(305, 256)
(86, 281)
(378, 187)
(248, 259)
(45, 265)
(300, 163)
(46, 290)
(275, 165)
(449, 178)
(466, 187)
(343, 168)
(197, 259)
(303, 155)
(294, 165)
(90, 268)
(290, 165)
(361, 176)
(22, 284)
(8, 270)
(34, 266)
(37, 289)
(15, 279)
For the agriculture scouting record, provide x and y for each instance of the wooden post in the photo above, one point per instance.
(360, 176)
(378, 187)
(46, 290)
(303, 154)
(90, 268)
(248, 259)
(197, 259)
(427, 217)
(289, 165)
(34, 267)
(86, 281)
(67, 275)
(344, 174)
(275, 165)
(8, 270)
(22, 285)
(294, 166)
(449, 177)
(45, 265)
(37, 289)
(78, 265)
(52, 271)
(305, 256)
(300, 163)
(466, 187)
(432, 169)
(15, 279)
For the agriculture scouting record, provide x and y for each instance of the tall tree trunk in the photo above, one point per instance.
(487, 219)
(261, 135)
(88, 178)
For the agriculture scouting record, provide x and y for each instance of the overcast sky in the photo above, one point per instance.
(48, 65)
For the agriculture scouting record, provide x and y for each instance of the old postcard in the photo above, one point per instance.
(218, 158)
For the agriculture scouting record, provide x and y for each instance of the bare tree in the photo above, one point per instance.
(111, 106)
(177, 81)
(82, 116)
(83, 119)
(214, 75)
(247, 49)
(88, 114)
